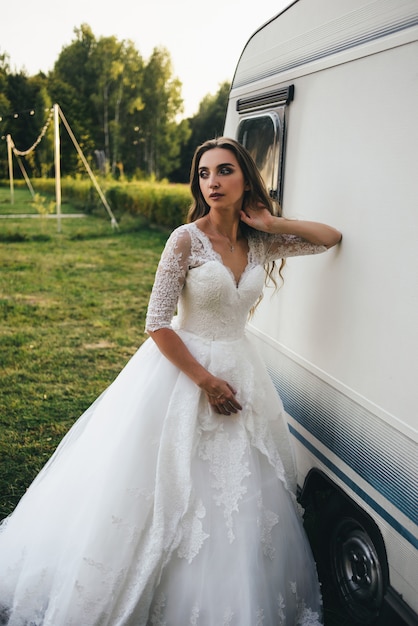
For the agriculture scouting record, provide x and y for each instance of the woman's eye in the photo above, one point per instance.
(223, 171)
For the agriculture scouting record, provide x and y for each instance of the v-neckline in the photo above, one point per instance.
(237, 283)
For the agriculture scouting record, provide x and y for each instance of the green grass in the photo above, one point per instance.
(21, 202)
(72, 312)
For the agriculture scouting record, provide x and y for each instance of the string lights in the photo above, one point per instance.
(38, 140)
(17, 114)
(55, 114)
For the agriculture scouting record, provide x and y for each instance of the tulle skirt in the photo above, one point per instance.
(156, 511)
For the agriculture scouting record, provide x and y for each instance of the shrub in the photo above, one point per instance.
(163, 204)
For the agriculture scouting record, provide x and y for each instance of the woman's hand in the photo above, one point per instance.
(258, 217)
(221, 396)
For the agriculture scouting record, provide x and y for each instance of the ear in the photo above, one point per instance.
(247, 187)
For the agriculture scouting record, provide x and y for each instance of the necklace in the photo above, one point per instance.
(231, 245)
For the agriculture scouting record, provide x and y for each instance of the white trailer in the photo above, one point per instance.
(325, 96)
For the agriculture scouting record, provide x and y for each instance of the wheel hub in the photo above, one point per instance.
(357, 570)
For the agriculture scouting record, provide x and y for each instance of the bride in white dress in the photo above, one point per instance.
(171, 500)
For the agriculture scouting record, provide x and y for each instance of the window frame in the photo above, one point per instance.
(274, 106)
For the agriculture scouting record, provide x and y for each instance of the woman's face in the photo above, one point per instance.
(221, 179)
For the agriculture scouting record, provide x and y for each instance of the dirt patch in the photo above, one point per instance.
(99, 345)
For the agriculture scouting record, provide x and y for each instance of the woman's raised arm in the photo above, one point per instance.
(314, 232)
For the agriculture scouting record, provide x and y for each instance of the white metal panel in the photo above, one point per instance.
(351, 161)
(308, 31)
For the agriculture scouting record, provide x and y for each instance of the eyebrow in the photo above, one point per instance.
(205, 167)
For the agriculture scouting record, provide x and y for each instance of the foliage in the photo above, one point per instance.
(25, 127)
(123, 110)
(156, 122)
(42, 206)
(163, 204)
(5, 106)
(79, 192)
(125, 100)
(208, 123)
(160, 203)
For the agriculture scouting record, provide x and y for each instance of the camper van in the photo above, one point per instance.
(325, 97)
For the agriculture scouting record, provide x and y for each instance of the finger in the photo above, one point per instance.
(222, 407)
(231, 406)
(233, 402)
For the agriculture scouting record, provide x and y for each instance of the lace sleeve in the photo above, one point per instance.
(169, 280)
(281, 246)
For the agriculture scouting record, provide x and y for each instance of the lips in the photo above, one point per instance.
(214, 196)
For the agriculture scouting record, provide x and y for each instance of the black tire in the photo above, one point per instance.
(354, 562)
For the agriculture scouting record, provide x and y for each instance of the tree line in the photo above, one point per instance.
(123, 110)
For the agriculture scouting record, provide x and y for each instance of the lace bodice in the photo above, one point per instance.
(192, 278)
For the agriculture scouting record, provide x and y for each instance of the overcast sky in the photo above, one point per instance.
(205, 39)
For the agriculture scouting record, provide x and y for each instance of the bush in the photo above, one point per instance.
(163, 204)
(160, 203)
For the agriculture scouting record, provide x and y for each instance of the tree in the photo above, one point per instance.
(4, 100)
(71, 84)
(207, 123)
(117, 105)
(106, 74)
(118, 68)
(43, 156)
(5, 111)
(34, 132)
(24, 109)
(160, 135)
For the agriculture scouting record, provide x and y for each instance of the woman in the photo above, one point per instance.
(171, 500)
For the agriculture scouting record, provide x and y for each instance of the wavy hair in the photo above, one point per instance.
(256, 193)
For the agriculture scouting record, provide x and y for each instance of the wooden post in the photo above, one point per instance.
(57, 166)
(10, 160)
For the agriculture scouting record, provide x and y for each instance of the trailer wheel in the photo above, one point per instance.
(357, 572)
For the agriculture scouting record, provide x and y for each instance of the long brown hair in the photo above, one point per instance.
(256, 193)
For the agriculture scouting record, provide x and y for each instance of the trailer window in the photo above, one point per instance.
(261, 136)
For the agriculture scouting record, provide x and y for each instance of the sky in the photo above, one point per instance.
(204, 39)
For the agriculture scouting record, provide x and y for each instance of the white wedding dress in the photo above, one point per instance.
(156, 511)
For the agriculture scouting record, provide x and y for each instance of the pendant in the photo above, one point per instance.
(231, 248)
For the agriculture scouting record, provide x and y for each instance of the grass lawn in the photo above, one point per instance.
(72, 312)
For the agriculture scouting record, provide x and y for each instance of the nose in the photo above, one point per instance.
(213, 181)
